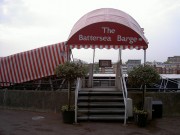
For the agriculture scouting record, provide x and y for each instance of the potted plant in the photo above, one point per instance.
(143, 76)
(70, 72)
(68, 113)
(140, 117)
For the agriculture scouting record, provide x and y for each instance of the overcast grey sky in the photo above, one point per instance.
(28, 24)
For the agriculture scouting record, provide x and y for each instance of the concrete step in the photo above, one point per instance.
(100, 93)
(101, 110)
(100, 104)
(100, 98)
(100, 89)
(102, 117)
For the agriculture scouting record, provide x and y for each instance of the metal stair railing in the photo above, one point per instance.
(78, 88)
(124, 90)
(121, 85)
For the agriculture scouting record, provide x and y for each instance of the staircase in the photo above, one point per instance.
(100, 105)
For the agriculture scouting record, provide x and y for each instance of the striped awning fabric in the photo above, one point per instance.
(31, 65)
(107, 47)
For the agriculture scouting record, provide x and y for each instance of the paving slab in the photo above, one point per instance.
(18, 122)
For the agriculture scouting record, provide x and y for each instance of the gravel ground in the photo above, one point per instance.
(15, 122)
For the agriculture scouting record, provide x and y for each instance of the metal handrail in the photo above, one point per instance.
(124, 91)
(121, 85)
(125, 88)
(78, 88)
(124, 84)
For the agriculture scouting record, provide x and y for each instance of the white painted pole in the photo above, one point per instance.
(144, 57)
(72, 56)
(93, 55)
(93, 66)
(120, 55)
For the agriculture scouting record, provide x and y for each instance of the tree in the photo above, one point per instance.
(70, 71)
(142, 76)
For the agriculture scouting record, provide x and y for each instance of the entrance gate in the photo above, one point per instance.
(106, 28)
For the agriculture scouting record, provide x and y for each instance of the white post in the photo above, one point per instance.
(72, 56)
(69, 55)
(144, 57)
(90, 76)
(93, 66)
(120, 55)
(93, 55)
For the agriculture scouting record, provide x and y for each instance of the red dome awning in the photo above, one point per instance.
(107, 28)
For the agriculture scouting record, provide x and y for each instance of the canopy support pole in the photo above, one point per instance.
(93, 66)
(68, 58)
(120, 55)
(144, 57)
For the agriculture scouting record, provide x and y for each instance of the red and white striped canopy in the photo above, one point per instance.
(107, 28)
(32, 65)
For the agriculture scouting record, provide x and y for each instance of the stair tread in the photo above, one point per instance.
(104, 115)
(100, 89)
(101, 110)
(101, 117)
(108, 102)
(100, 93)
(100, 103)
(100, 97)
(99, 100)
(109, 108)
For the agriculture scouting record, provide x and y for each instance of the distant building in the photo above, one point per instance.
(124, 68)
(172, 66)
(167, 68)
(158, 64)
(107, 70)
(175, 60)
(104, 70)
(149, 63)
(132, 63)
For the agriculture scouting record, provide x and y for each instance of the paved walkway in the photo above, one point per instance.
(14, 122)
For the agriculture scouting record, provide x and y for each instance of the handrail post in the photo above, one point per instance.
(120, 79)
(124, 89)
(78, 87)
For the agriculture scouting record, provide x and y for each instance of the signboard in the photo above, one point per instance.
(107, 33)
(105, 63)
